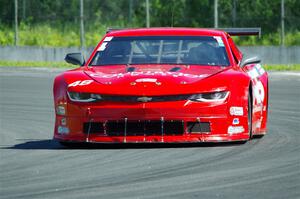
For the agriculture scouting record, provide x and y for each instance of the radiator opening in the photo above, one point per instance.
(93, 127)
(144, 127)
(198, 127)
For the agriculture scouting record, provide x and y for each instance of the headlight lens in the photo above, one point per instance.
(84, 97)
(210, 97)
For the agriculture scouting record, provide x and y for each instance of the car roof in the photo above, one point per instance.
(165, 32)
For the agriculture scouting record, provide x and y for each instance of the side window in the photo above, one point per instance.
(237, 54)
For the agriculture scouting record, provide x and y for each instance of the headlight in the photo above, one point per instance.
(210, 97)
(84, 97)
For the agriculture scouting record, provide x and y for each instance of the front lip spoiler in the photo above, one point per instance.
(150, 143)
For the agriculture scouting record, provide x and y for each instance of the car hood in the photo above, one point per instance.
(151, 79)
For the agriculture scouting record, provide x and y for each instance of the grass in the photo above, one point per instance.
(282, 67)
(272, 39)
(47, 36)
(4, 63)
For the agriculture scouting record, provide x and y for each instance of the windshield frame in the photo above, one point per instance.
(180, 39)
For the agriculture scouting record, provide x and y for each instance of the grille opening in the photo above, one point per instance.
(135, 128)
(95, 127)
(152, 127)
(198, 127)
(115, 128)
(173, 127)
(147, 127)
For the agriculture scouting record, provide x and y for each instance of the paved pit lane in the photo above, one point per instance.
(34, 166)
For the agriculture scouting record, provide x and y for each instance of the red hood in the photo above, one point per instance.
(150, 79)
(122, 74)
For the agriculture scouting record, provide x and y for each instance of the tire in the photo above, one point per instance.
(258, 136)
(250, 116)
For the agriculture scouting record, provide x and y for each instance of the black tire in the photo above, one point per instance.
(258, 136)
(250, 116)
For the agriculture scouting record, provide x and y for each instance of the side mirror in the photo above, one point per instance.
(75, 58)
(249, 60)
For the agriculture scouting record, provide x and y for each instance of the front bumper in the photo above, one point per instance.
(93, 123)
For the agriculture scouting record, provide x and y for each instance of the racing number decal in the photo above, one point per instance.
(80, 83)
(259, 92)
(258, 88)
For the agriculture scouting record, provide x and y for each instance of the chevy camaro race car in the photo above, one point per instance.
(162, 85)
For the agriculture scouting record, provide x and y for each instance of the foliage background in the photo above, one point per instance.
(56, 22)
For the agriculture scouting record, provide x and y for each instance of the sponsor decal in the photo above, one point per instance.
(257, 109)
(253, 73)
(236, 110)
(260, 69)
(235, 129)
(256, 71)
(258, 124)
(147, 73)
(60, 110)
(108, 38)
(259, 92)
(258, 88)
(80, 83)
(119, 75)
(63, 130)
(146, 80)
(219, 40)
(235, 121)
(63, 121)
(102, 46)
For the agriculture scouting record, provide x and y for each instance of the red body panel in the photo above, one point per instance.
(114, 80)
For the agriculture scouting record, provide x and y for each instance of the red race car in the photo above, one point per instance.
(162, 85)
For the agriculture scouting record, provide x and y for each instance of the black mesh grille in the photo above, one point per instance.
(147, 127)
(198, 127)
(93, 127)
(173, 127)
(115, 128)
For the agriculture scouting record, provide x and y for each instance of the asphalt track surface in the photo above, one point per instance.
(34, 166)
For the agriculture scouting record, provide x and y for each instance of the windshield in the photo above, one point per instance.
(195, 50)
